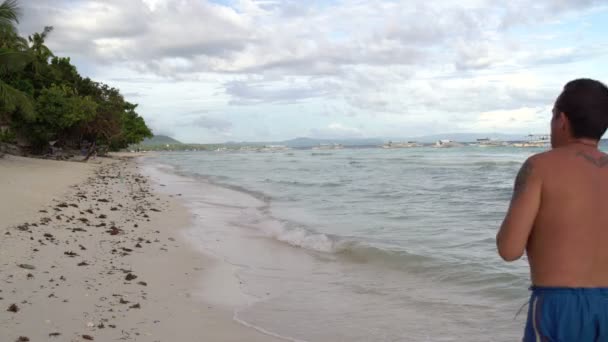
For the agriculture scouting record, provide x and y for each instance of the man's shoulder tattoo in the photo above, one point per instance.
(600, 162)
(522, 178)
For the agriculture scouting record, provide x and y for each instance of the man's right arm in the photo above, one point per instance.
(513, 235)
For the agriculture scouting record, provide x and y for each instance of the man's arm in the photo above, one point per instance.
(513, 235)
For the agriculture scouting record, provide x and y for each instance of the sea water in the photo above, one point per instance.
(362, 244)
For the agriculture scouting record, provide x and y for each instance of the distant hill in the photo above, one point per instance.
(312, 142)
(160, 140)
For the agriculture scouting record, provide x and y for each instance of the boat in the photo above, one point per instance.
(487, 142)
(446, 143)
(408, 144)
(535, 141)
(328, 147)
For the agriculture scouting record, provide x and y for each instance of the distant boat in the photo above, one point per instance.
(328, 147)
(487, 142)
(273, 148)
(445, 143)
(408, 144)
(535, 141)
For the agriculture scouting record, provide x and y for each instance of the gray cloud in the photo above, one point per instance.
(255, 92)
(398, 57)
(182, 38)
(211, 123)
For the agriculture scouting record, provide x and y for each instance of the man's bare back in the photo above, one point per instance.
(568, 245)
(559, 215)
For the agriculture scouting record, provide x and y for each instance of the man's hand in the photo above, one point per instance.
(519, 221)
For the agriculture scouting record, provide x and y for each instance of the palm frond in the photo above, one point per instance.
(13, 61)
(12, 99)
(10, 12)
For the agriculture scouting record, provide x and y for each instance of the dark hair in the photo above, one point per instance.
(585, 102)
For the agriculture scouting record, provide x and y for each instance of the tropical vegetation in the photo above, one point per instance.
(45, 101)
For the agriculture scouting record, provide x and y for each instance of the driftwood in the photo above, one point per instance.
(92, 150)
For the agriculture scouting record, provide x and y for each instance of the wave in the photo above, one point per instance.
(348, 247)
(305, 184)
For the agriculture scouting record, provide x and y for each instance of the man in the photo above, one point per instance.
(559, 215)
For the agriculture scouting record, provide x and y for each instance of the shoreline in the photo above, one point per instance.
(107, 258)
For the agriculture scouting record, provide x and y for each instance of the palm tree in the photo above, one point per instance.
(13, 58)
(37, 44)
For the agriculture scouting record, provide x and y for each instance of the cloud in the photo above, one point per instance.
(424, 62)
(520, 119)
(336, 131)
(212, 124)
(244, 92)
(288, 37)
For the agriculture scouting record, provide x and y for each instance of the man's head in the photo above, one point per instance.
(580, 112)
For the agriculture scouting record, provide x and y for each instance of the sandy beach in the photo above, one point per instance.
(90, 251)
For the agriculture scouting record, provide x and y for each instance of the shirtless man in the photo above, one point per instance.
(559, 215)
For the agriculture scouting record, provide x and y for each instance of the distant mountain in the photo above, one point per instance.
(311, 142)
(160, 140)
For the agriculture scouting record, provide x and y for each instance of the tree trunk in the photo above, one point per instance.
(92, 150)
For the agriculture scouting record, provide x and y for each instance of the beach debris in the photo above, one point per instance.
(13, 308)
(82, 248)
(83, 263)
(74, 230)
(23, 339)
(30, 276)
(154, 209)
(101, 326)
(130, 277)
(103, 200)
(90, 211)
(102, 216)
(70, 254)
(135, 306)
(83, 219)
(113, 209)
(73, 205)
(23, 227)
(138, 245)
(114, 231)
(27, 267)
(88, 337)
(142, 283)
(90, 324)
(54, 334)
(43, 211)
(45, 220)
(62, 205)
(123, 301)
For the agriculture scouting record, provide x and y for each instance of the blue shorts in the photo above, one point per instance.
(567, 315)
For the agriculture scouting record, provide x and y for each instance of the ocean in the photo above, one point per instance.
(360, 244)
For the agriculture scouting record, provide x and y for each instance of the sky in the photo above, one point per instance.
(207, 71)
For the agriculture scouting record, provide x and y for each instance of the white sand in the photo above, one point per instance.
(95, 298)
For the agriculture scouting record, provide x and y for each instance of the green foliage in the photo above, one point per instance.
(44, 98)
(7, 137)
